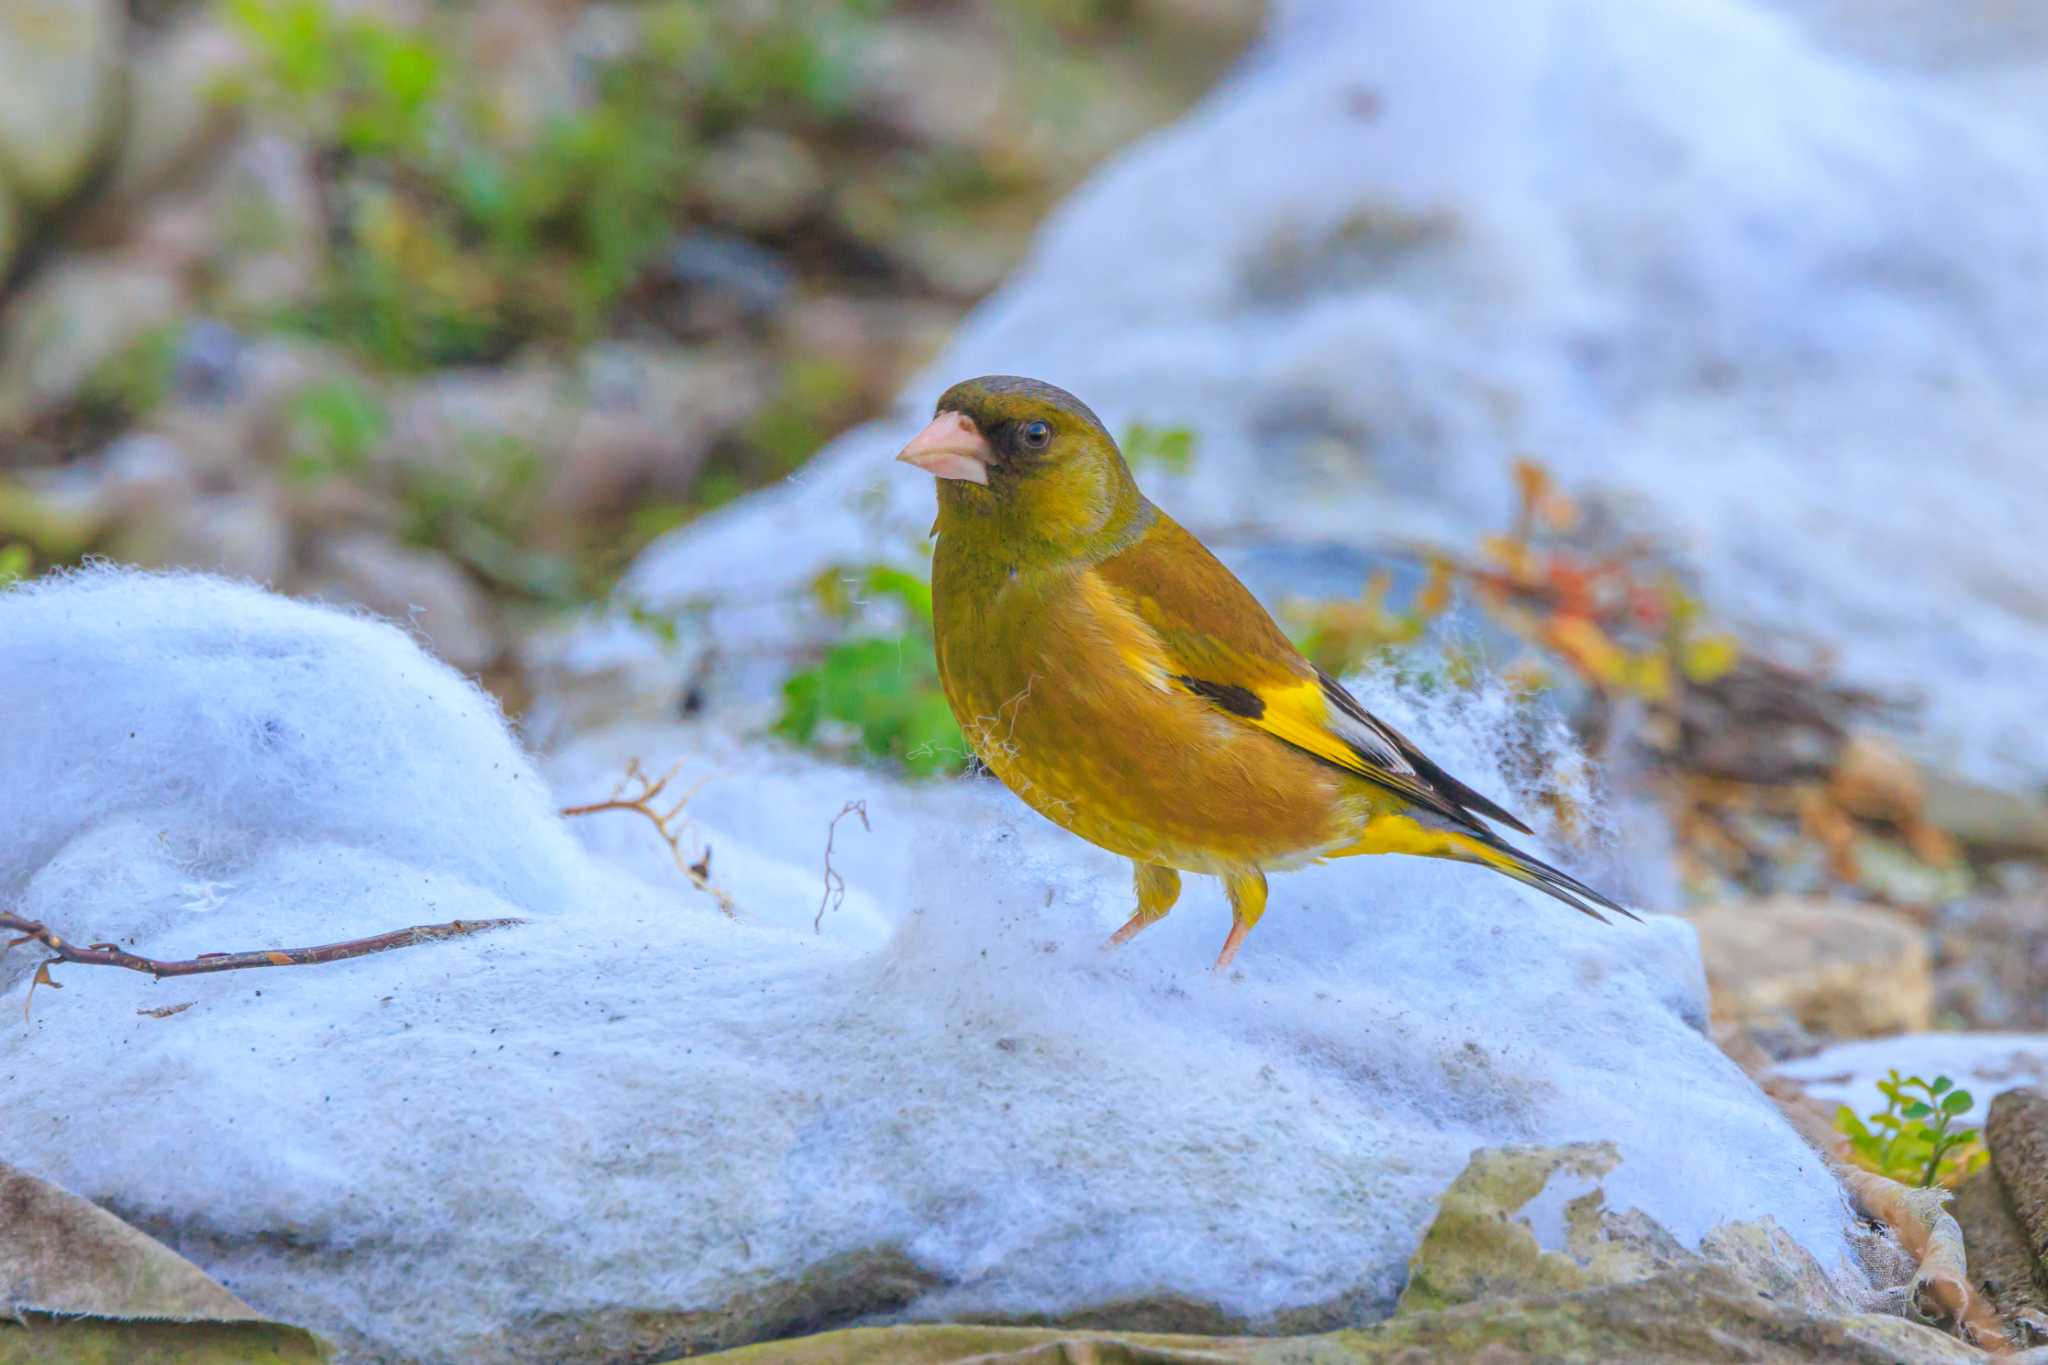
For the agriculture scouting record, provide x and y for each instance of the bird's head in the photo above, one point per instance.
(1027, 463)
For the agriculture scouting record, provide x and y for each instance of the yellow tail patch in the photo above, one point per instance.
(1406, 834)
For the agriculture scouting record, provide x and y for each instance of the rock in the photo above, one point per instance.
(418, 587)
(532, 60)
(241, 535)
(632, 1112)
(760, 180)
(1987, 820)
(135, 474)
(1874, 778)
(1895, 873)
(720, 282)
(1991, 958)
(1478, 1249)
(175, 113)
(61, 92)
(2016, 1131)
(626, 422)
(267, 239)
(209, 363)
(75, 317)
(233, 397)
(141, 501)
(1484, 1286)
(1694, 1317)
(2003, 1210)
(1834, 968)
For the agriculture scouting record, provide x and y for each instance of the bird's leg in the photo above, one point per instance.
(1247, 890)
(1158, 888)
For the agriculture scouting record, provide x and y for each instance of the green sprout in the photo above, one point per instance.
(1913, 1139)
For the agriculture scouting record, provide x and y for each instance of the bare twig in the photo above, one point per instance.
(667, 822)
(111, 955)
(641, 801)
(835, 885)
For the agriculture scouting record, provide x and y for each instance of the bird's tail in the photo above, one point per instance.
(1404, 834)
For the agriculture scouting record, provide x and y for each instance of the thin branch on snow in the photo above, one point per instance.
(112, 955)
(643, 803)
(835, 885)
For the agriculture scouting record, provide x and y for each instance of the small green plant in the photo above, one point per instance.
(330, 428)
(876, 692)
(16, 562)
(1913, 1139)
(1169, 448)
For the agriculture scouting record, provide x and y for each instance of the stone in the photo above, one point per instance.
(1694, 1317)
(721, 281)
(1876, 779)
(267, 229)
(760, 180)
(1988, 820)
(1837, 969)
(1991, 960)
(1484, 1286)
(175, 114)
(624, 422)
(73, 318)
(420, 588)
(61, 92)
(2003, 1210)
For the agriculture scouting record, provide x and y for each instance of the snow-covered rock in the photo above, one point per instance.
(633, 1118)
(1778, 297)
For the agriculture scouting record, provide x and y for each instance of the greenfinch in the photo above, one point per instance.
(1126, 686)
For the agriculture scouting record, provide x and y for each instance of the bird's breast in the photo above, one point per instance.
(1067, 698)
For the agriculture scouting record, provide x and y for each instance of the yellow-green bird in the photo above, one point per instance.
(1121, 681)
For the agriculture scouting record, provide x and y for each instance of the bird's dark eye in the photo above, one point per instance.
(1037, 435)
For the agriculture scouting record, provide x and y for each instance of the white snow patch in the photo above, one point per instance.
(1985, 1064)
(634, 1101)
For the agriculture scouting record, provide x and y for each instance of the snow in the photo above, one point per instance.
(1767, 281)
(633, 1101)
(1985, 1064)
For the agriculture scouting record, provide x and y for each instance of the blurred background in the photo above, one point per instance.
(1680, 371)
(455, 306)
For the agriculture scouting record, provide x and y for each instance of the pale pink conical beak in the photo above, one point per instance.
(952, 447)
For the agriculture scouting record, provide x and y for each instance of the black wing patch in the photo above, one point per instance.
(1238, 701)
